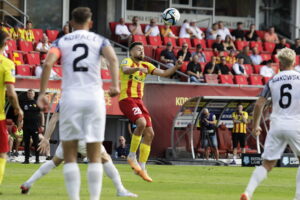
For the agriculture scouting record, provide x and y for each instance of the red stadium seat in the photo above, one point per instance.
(241, 44)
(224, 139)
(208, 55)
(257, 69)
(58, 70)
(266, 79)
(275, 59)
(269, 46)
(248, 68)
(210, 43)
(33, 58)
(112, 27)
(226, 79)
(17, 57)
(256, 44)
(38, 34)
(240, 80)
(105, 74)
(52, 34)
(266, 56)
(184, 66)
(196, 41)
(261, 34)
(25, 45)
(255, 80)
(297, 62)
(175, 30)
(169, 39)
(149, 51)
(154, 41)
(158, 52)
(139, 38)
(211, 78)
(181, 41)
(23, 70)
(12, 45)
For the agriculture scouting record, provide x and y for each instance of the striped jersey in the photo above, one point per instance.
(239, 127)
(132, 85)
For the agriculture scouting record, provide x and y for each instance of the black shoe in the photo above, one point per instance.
(25, 162)
(16, 154)
(24, 189)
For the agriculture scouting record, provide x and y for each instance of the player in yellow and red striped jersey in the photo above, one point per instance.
(133, 72)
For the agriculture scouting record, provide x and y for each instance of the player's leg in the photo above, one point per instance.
(214, 141)
(2, 165)
(35, 139)
(205, 146)
(112, 172)
(242, 141)
(4, 148)
(26, 139)
(234, 145)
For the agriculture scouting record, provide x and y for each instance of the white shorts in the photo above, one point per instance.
(82, 116)
(277, 140)
(81, 149)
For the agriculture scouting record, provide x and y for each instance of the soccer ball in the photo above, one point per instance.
(170, 16)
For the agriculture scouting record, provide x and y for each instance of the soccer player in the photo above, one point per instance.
(108, 166)
(133, 71)
(7, 80)
(283, 89)
(82, 105)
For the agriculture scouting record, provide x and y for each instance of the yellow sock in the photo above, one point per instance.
(144, 152)
(2, 168)
(135, 142)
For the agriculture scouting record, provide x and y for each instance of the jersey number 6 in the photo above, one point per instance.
(77, 68)
(285, 94)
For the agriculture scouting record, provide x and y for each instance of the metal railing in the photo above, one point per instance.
(24, 16)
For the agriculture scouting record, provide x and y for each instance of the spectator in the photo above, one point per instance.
(245, 54)
(123, 149)
(33, 121)
(296, 46)
(271, 36)
(184, 54)
(16, 33)
(135, 28)
(39, 69)
(222, 67)
(239, 33)
(228, 44)
(208, 124)
(200, 54)
(3, 28)
(167, 56)
(122, 31)
(239, 68)
(211, 33)
(28, 33)
(230, 58)
(211, 67)
(240, 120)
(152, 29)
(185, 30)
(194, 70)
(218, 45)
(256, 59)
(251, 34)
(267, 70)
(223, 31)
(43, 46)
(196, 32)
(280, 45)
(167, 32)
(66, 30)
(17, 137)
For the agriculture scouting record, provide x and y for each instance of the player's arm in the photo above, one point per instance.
(130, 70)
(13, 99)
(168, 72)
(113, 66)
(42, 120)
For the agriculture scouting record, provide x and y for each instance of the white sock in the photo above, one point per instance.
(72, 180)
(94, 175)
(298, 184)
(132, 155)
(42, 171)
(112, 172)
(143, 165)
(258, 175)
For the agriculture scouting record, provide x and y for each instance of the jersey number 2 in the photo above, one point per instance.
(285, 94)
(77, 68)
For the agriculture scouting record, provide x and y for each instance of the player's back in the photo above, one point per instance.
(284, 89)
(80, 58)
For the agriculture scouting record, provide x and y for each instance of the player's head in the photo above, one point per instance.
(30, 94)
(240, 107)
(136, 50)
(82, 16)
(3, 37)
(286, 58)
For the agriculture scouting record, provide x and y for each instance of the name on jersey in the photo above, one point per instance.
(137, 78)
(286, 78)
(80, 37)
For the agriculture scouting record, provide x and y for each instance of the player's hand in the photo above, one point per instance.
(144, 70)
(114, 91)
(19, 112)
(42, 129)
(44, 146)
(42, 102)
(256, 131)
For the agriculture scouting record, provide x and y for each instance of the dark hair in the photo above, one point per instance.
(29, 22)
(3, 37)
(184, 21)
(199, 46)
(80, 15)
(269, 62)
(239, 104)
(30, 90)
(239, 23)
(132, 45)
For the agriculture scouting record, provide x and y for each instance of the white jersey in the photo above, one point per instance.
(283, 88)
(80, 58)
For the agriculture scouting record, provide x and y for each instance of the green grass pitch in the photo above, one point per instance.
(170, 183)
